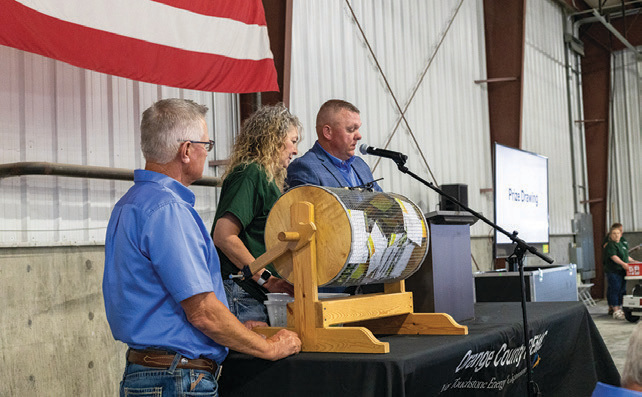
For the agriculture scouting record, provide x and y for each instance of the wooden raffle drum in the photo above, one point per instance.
(309, 238)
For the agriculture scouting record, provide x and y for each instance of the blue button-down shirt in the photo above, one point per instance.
(344, 167)
(158, 252)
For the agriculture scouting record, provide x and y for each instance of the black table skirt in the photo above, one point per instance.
(568, 354)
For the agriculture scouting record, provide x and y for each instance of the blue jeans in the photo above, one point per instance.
(140, 381)
(242, 305)
(616, 289)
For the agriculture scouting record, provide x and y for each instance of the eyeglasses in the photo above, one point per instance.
(209, 145)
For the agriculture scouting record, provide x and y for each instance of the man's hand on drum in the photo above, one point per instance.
(275, 284)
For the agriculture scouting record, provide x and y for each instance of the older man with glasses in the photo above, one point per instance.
(162, 283)
(209, 145)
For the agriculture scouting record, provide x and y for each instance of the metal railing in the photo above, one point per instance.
(82, 171)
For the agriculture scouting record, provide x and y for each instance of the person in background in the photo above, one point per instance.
(162, 284)
(607, 238)
(622, 239)
(616, 256)
(253, 182)
(331, 161)
(632, 373)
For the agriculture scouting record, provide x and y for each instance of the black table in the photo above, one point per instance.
(569, 357)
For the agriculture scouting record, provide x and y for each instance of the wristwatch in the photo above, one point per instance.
(264, 277)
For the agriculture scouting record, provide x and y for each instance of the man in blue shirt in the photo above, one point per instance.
(331, 161)
(162, 283)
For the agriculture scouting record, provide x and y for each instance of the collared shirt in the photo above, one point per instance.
(618, 249)
(157, 254)
(344, 167)
(248, 196)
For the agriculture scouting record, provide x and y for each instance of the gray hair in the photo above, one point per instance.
(632, 374)
(166, 123)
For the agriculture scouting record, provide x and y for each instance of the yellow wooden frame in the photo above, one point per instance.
(361, 316)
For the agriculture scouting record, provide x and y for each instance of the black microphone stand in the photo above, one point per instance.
(517, 257)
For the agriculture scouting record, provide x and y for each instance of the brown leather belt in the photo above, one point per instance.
(154, 359)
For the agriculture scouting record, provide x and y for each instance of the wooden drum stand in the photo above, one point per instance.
(315, 321)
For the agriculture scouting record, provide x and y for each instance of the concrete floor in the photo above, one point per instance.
(615, 333)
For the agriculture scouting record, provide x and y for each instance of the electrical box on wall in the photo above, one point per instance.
(581, 251)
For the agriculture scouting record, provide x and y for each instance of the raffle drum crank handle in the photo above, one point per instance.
(288, 241)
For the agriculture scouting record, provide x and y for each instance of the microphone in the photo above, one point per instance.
(389, 154)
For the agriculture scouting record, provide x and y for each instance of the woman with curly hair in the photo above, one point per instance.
(252, 183)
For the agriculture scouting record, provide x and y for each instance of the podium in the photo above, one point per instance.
(444, 283)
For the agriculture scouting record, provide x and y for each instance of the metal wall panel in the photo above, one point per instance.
(624, 195)
(431, 52)
(545, 128)
(53, 112)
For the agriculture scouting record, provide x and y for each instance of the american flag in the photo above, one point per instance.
(207, 45)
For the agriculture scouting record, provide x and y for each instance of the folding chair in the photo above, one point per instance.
(584, 292)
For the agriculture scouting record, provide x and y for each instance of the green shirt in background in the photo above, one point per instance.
(247, 194)
(607, 238)
(620, 250)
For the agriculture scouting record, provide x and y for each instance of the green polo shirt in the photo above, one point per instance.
(607, 238)
(620, 250)
(247, 194)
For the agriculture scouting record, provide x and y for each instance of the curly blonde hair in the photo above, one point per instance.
(262, 139)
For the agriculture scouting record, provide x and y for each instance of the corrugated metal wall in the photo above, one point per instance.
(545, 128)
(431, 53)
(624, 194)
(54, 112)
